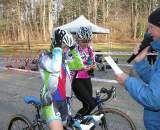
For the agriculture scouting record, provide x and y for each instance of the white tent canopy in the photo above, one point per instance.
(74, 26)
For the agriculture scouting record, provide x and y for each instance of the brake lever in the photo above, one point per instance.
(114, 91)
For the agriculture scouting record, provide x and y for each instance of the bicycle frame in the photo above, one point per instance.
(99, 104)
(38, 121)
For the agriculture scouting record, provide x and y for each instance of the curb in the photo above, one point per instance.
(20, 70)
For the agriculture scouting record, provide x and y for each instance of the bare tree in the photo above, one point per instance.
(95, 11)
(50, 16)
(35, 19)
(44, 19)
(19, 21)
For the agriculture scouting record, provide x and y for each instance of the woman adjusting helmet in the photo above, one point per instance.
(66, 38)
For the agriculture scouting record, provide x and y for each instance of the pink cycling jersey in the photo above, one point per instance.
(85, 53)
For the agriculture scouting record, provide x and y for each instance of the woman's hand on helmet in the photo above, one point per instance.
(58, 37)
(63, 39)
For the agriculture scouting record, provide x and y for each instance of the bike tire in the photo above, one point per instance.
(121, 122)
(21, 121)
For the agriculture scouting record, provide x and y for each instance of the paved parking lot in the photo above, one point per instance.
(14, 85)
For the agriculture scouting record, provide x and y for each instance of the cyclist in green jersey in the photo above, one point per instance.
(54, 70)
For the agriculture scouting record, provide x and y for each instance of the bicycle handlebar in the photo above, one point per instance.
(110, 92)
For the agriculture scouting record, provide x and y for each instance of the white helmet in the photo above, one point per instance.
(68, 39)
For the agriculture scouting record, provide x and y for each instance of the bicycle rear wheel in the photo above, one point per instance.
(19, 122)
(114, 119)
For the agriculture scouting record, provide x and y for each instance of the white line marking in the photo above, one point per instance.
(105, 80)
(35, 72)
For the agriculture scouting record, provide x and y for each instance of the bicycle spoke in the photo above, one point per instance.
(19, 125)
(19, 122)
(115, 121)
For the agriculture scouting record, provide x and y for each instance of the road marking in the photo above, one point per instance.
(37, 76)
(36, 72)
(104, 80)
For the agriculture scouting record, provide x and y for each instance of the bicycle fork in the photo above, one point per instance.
(104, 122)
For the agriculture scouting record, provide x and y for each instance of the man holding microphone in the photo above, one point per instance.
(146, 89)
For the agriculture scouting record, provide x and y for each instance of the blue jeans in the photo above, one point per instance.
(151, 120)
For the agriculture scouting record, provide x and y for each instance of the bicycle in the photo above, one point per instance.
(113, 118)
(105, 123)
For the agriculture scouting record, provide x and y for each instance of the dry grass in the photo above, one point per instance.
(36, 46)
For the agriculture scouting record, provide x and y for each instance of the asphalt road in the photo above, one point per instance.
(14, 85)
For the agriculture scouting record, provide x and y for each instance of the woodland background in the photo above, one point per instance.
(24, 21)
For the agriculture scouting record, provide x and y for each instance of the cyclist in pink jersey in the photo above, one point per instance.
(82, 85)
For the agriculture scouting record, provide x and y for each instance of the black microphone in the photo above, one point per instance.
(145, 43)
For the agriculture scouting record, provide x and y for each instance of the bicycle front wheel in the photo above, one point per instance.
(19, 122)
(114, 119)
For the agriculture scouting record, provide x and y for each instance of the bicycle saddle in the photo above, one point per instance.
(32, 100)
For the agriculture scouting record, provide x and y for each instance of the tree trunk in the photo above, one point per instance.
(89, 9)
(43, 21)
(149, 7)
(104, 12)
(95, 11)
(132, 12)
(135, 19)
(20, 27)
(50, 17)
(107, 8)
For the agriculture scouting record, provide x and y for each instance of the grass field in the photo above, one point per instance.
(36, 46)
(124, 47)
